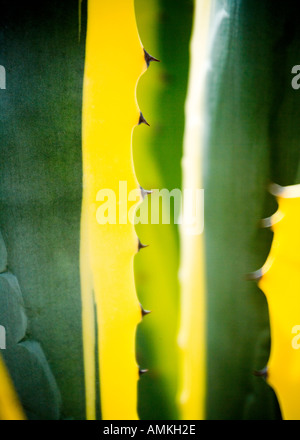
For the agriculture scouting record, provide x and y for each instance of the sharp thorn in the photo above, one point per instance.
(266, 222)
(276, 190)
(142, 120)
(144, 312)
(142, 246)
(261, 373)
(145, 192)
(149, 58)
(254, 276)
(141, 372)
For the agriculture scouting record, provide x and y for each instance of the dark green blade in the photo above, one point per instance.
(40, 186)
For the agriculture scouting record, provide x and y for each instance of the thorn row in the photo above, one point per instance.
(142, 120)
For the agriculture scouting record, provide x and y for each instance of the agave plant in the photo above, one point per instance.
(80, 163)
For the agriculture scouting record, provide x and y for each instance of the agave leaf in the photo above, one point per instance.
(165, 30)
(40, 186)
(252, 139)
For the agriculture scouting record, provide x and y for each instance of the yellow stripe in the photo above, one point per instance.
(114, 62)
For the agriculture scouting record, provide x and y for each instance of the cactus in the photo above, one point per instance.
(110, 112)
(279, 280)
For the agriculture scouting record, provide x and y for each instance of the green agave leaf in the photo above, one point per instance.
(165, 31)
(40, 189)
(252, 139)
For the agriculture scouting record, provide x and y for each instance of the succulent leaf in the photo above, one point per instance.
(108, 250)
